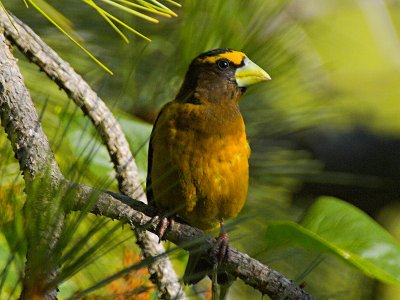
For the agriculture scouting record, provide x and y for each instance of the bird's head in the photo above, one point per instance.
(219, 75)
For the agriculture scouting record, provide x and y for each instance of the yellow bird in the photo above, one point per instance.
(198, 154)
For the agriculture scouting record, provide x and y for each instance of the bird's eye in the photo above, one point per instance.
(223, 64)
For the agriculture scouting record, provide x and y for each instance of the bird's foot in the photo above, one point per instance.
(219, 252)
(163, 226)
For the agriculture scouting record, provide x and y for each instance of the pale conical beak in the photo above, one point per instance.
(250, 74)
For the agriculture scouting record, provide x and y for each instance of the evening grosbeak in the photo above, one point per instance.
(198, 154)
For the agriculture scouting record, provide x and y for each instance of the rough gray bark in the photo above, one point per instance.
(251, 271)
(32, 150)
(32, 46)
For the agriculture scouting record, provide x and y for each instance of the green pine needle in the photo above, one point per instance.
(158, 7)
(107, 14)
(174, 3)
(8, 16)
(145, 8)
(131, 11)
(105, 17)
(69, 36)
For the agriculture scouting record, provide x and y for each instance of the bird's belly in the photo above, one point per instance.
(203, 179)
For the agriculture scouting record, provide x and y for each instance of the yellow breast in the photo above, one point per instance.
(200, 162)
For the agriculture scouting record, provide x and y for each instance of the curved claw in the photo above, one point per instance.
(219, 251)
(163, 226)
(223, 247)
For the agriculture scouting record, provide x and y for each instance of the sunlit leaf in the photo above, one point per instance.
(336, 227)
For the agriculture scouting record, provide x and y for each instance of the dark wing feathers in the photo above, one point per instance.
(149, 188)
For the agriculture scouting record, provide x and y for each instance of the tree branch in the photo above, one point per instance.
(251, 271)
(36, 160)
(111, 133)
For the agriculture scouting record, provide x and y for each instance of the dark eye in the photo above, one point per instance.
(223, 64)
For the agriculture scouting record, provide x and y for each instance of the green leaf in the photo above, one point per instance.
(336, 227)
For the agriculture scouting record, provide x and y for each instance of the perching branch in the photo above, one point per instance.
(251, 271)
(21, 122)
(111, 133)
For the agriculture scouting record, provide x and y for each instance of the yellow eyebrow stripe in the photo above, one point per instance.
(235, 56)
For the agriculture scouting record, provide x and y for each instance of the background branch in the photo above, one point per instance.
(32, 46)
(36, 160)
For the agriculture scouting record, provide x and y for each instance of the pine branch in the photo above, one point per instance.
(111, 133)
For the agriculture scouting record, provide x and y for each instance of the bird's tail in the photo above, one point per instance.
(196, 268)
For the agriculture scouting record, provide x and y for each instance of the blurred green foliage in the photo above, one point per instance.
(334, 65)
